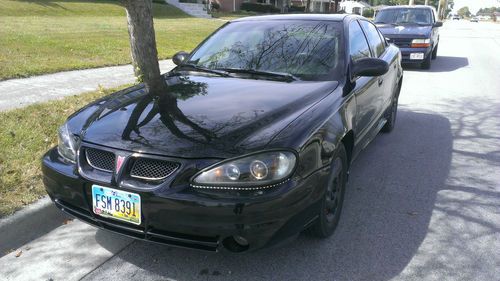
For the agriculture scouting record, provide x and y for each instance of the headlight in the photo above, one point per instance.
(67, 144)
(420, 43)
(260, 170)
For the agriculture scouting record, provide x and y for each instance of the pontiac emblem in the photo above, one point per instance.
(119, 163)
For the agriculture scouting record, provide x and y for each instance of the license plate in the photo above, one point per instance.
(116, 204)
(417, 56)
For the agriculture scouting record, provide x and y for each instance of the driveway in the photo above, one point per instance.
(423, 203)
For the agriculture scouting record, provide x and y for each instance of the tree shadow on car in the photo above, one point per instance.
(388, 206)
(441, 64)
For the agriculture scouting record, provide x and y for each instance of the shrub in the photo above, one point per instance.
(215, 6)
(368, 13)
(257, 7)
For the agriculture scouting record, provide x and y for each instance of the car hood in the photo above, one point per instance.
(405, 31)
(198, 116)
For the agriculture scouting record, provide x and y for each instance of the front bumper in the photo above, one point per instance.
(187, 217)
(406, 52)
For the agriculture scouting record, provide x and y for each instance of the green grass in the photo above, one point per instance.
(23, 141)
(46, 36)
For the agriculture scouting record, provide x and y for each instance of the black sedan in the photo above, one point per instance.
(250, 144)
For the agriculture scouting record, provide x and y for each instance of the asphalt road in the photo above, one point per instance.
(423, 202)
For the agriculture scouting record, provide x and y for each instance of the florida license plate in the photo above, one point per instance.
(116, 204)
(417, 56)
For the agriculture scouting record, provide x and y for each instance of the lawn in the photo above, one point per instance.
(47, 36)
(23, 141)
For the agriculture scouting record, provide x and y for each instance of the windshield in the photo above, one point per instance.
(308, 50)
(404, 16)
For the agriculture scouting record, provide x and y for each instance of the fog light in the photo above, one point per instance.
(240, 240)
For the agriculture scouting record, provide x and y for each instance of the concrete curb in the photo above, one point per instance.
(28, 224)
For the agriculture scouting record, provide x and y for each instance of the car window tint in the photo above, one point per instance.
(307, 49)
(373, 37)
(358, 47)
(404, 16)
(382, 37)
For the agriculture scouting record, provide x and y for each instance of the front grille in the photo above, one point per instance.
(152, 169)
(100, 159)
(401, 42)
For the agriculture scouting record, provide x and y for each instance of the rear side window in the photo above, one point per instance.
(358, 47)
(376, 44)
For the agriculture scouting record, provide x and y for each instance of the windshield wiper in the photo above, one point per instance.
(286, 76)
(205, 69)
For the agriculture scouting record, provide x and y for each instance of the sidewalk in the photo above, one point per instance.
(16, 93)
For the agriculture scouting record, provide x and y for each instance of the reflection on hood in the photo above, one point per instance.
(198, 116)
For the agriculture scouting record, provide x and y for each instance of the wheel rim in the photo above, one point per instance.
(333, 192)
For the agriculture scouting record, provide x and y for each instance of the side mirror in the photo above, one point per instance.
(369, 67)
(180, 57)
(438, 24)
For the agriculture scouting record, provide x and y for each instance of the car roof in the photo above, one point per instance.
(407, 7)
(324, 17)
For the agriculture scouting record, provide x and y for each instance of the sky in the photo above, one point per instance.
(475, 5)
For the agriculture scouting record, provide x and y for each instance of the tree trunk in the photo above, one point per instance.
(308, 6)
(143, 45)
(336, 6)
(440, 13)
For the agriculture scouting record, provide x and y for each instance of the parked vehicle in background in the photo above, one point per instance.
(251, 144)
(474, 19)
(456, 17)
(414, 29)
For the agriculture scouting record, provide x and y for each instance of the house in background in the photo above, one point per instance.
(198, 8)
(326, 6)
(315, 6)
(353, 7)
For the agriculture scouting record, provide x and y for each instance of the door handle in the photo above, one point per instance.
(380, 81)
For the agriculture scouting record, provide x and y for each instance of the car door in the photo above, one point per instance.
(435, 30)
(368, 90)
(390, 78)
(386, 82)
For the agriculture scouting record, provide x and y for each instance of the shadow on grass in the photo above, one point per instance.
(390, 199)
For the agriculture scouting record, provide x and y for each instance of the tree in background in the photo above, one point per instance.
(489, 10)
(143, 45)
(368, 13)
(464, 12)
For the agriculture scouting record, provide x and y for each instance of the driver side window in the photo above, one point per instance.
(374, 39)
(358, 46)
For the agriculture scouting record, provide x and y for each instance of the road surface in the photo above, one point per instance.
(423, 202)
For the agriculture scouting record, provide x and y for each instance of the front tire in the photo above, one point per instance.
(435, 52)
(426, 64)
(332, 201)
(392, 112)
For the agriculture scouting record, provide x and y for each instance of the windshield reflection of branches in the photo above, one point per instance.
(296, 49)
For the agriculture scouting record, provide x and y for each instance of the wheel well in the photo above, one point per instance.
(400, 85)
(348, 142)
